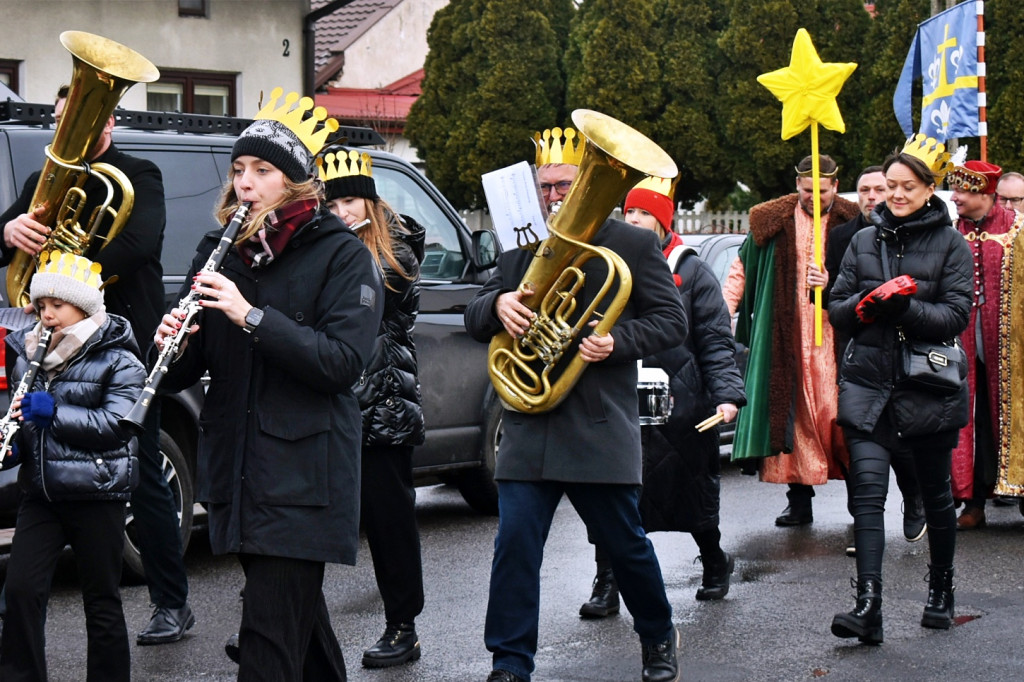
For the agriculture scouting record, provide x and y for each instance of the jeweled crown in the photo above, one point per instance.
(295, 118)
(70, 265)
(931, 152)
(556, 145)
(332, 166)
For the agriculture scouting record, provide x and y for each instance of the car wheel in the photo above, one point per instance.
(477, 486)
(176, 471)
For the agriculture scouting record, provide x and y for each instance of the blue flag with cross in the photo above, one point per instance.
(945, 55)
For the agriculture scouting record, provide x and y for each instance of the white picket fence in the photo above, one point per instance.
(687, 222)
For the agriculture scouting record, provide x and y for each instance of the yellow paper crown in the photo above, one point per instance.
(69, 265)
(552, 149)
(294, 117)
(664, 186)
(931, 152)
(332, 166)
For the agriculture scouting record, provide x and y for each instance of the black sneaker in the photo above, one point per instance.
(399, 644)
(660, 664)
(503, 676)
(914, 525)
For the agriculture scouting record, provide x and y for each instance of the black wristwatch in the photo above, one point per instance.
(253, 319)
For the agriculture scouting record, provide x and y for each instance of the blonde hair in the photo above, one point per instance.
(293, 191)
(377, 236)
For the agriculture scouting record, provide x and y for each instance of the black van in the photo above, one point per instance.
(461, 411)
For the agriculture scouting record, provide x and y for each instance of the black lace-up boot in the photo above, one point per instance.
(865, 621)
(938, 610)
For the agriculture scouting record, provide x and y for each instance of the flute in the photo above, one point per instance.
(175, 344)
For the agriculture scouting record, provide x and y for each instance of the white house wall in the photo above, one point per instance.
(395, 47)
(245, 37)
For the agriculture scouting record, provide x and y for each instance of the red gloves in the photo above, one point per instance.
(889, 299)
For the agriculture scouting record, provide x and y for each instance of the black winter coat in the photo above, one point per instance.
(278, 461)
(930, 250)
(682, 467)
(84, 454)
(389, 388)
(134, 255)
(593, 436)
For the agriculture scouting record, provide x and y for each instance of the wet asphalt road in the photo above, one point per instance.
(774, 625)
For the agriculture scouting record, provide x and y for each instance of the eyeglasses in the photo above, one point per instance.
(1009, 200)
(562, 186)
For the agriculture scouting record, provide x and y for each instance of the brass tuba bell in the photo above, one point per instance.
(103, 72)
(533, 373)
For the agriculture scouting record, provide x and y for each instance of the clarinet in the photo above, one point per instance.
(175, 344)
(8, 425)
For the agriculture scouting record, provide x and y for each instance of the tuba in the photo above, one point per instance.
(533, 373)
(103, 72)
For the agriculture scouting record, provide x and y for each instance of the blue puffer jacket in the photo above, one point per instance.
(84, 454)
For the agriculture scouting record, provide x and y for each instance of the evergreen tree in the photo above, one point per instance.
(886, 46)
(758, 39)
(492, 77)
(618, 71)
(689, 129)
(1004, 55)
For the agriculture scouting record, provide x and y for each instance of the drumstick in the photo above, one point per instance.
(713, 420)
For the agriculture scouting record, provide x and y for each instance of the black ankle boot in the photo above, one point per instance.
(604, 600)
(715, 583)
(938, 610)
(865, 621)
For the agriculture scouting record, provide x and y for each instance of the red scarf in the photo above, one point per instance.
(674, 240)
(263, 247)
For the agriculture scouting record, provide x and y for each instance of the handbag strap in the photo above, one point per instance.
(885, 262)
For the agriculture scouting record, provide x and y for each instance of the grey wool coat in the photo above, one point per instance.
(593, 436)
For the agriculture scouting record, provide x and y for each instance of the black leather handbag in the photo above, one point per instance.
(936, 368)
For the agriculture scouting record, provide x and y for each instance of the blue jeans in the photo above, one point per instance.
(612, 518)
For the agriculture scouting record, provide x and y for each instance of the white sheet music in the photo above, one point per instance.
(513, 197)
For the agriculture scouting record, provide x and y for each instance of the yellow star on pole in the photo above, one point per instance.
(808, 88)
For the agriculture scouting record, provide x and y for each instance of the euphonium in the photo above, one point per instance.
(533, 373)
(103, 72)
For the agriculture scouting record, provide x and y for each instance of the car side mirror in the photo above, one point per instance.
(485, 249)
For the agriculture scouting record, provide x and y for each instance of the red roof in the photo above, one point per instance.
(386, 108)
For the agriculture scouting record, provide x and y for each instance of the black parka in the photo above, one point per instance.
(389, 388)
(84, 454)
(930, 250)
(682, 467)
(279, 447)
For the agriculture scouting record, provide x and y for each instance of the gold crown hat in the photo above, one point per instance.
(665, 186)
(931, 153)
(346, 173)
(286, 135)
(70, 278)
(559, 145)
(654, 195)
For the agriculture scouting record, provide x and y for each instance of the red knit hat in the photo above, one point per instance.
(978, 177)
(655, 203)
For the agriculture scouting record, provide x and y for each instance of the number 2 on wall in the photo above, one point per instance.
(287, 45)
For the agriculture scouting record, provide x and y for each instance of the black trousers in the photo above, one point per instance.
(388, 513)
(156, 522)
(869, 465)
(95, 531)
(286, 633)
